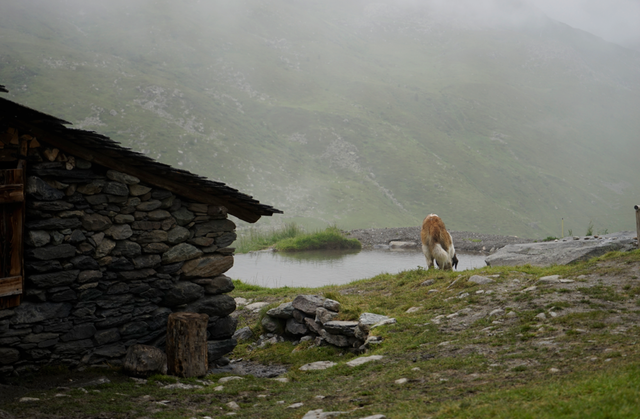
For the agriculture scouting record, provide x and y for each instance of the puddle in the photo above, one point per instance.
(319, 268)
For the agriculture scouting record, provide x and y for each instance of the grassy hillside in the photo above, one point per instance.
(362, 114)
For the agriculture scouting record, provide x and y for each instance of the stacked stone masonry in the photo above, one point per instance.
(107, 259)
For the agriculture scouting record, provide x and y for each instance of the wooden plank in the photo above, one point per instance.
(10, 286)
(11, 193)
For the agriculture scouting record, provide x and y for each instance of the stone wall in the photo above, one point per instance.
(107, 259)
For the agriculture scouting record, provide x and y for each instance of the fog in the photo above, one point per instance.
(616, 21)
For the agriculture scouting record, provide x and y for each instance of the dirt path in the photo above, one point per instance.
(464, 241)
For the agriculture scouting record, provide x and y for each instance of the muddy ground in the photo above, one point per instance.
(464, 241)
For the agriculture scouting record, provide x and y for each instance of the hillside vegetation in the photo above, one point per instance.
(358, 114)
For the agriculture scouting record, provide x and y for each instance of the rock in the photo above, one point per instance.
(338, 327)
(37, 238)
(183, 216)
(9, 356)
(154, 236)
(308, 303)
(225, 380)
(207, 266)
(243, 334)
(119, 231)
(363, 360)
(149, 205)
(122, 177)
(115, 188)
(550, 279)
(54, 224)
(283, 311)
(217, 349)
(214, 305)
(181, 252)
(81, 331)
(294, 328)
(54, 279)
(368, 320)
(271, 325)
(182, 292)
(178, 235)
(215, 226)
(335, 340)
(147, 261)
(331, 305)
(95, 222)
(318, 366)
(138, 190)
(40, 190)
(144, 361)
(222, 328)
(481, 280)
(63, 251)
(323, 315)
(155, 248)
(256, 307)
(105, 248)
(158, 215)
(84, 263)
(220, 284)
(561, 252)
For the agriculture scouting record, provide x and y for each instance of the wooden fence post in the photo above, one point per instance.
(637, 208)
(187, 349)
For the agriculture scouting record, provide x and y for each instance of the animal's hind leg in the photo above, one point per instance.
(428, 257)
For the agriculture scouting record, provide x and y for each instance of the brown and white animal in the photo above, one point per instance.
(437, 243)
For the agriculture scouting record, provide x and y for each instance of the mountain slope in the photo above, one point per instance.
(362, 113)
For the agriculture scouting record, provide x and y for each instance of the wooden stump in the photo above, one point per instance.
(187, 344)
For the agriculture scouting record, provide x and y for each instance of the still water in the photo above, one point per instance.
(319, 268)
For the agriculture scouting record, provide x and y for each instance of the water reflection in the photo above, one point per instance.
(319, 268)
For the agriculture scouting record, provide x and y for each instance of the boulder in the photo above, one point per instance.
(144, 361)
(562, 252)
(308, 303)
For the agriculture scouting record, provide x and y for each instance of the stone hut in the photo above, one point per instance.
(100, 244)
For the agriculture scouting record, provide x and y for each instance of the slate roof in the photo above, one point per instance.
(102, 150)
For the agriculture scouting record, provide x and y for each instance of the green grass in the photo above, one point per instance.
(252, 239)
(329, 239)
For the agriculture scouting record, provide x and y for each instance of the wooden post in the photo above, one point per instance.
(187, 344)
(637, 208)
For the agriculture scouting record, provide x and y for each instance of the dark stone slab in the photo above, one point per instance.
(28, 312)
(54, 223)
(54, 279)
(182, 293)
(215, 226)
(126, 248)
(40, 190)
(50, 205)
(85, 263)
(215, 305)
(222, 328)
(44, 266)
(218, 348)
(83, 331)
(102, 337)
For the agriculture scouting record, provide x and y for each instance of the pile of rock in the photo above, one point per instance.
(310, 317)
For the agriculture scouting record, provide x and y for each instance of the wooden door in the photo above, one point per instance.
(12, 212)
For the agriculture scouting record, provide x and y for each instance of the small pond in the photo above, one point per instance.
(319, 268)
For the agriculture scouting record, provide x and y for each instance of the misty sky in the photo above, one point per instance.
(614, 20)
